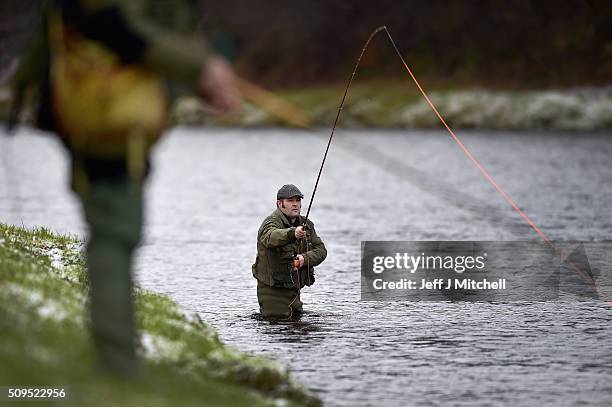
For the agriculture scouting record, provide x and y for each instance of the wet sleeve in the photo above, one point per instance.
(174, 55)
(273, 236)
(317, 252)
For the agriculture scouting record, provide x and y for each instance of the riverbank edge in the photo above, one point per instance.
(45, 340)
(390, 104)
(395, 104)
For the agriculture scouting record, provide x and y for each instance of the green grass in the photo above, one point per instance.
(369, 103)
(395, 103)
(44, 339)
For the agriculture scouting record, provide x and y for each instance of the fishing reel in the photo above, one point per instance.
(296, 263)
(295, 272)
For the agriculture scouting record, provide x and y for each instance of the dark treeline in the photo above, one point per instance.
(530, 42)
(283, 42)
(17, 21)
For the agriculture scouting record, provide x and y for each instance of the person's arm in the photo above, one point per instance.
(317, 252)
(273, 236)
(178, 56)
(124, 27)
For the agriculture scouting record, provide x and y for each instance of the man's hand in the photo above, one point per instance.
(301, 259)
(218, 87)
(300, 233)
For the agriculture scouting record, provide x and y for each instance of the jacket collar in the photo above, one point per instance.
(285, 220)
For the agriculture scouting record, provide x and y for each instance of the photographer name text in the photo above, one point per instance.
(440, 284)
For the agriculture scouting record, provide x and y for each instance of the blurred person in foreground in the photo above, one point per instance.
(287, 252)
(105, 73)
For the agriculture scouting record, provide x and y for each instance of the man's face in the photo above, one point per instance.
(290, 207)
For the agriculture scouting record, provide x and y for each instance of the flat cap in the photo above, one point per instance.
(288, 191)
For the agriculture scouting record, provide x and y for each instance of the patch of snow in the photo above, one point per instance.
(56, 256)
(194, 319)
(53, 310)
(29, 295)
(559, 109)
(157, 347)
(45, 307)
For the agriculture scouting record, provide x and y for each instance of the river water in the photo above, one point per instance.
(210, 190)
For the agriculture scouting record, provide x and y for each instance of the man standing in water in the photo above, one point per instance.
(287, 252)
(103, 68)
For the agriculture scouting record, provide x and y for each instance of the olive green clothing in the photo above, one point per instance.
(278, 301)
(276, 248)
(277, 285)
(113, 211)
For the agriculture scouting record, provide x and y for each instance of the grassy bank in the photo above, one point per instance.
(397, 104)
(45, 341)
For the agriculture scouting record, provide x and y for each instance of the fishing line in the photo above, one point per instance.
(585, 276)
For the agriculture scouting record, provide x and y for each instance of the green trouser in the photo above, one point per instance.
(113, 210)
(277, 301)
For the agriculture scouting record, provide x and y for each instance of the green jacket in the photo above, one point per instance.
(276, 246)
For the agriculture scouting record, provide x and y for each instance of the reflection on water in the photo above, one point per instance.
(301, 329)
(210, 190)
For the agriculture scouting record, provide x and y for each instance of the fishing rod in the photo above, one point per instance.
(584, 275)
(348, 85)
(331, 136)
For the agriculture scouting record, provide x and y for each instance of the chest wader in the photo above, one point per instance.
(277, 301)
(283, 299)
(108, 114)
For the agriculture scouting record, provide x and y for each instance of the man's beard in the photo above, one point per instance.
(296, 215)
